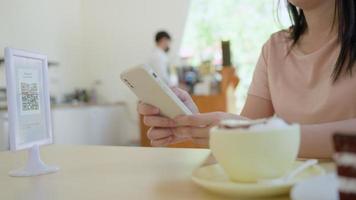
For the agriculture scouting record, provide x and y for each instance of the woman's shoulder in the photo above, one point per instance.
(280, 37)
(278, 42)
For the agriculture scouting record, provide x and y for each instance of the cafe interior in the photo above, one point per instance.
(99, 139)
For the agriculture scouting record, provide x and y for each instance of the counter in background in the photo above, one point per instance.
(95, 124)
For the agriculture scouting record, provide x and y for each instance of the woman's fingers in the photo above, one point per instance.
(160, 136)
(179, 139)
(181, 94)
(186, 99)
(162, 142)
(166, 136)
(199, 120)
(199, 136)
(146, 109)
(158, 121)
(167, 141)
(159, 133)
(191, 132)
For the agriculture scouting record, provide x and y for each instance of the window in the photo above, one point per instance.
(246, 23)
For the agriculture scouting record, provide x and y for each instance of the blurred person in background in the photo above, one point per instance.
(159, 60)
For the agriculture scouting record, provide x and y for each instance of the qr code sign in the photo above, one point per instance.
(29, 97)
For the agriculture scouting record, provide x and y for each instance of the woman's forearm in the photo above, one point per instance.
(316, 139)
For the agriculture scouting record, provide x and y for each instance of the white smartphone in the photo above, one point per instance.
(150, 89)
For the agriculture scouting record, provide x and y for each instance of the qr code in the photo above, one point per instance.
(29, 97)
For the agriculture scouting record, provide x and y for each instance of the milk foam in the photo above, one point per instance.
(271, 123)
(255, 125)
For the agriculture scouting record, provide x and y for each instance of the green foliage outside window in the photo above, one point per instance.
(246, 23)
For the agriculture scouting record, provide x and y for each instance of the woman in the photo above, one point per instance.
(304, 75)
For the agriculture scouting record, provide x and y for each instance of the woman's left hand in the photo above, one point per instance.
(186, 127)
(197, 126)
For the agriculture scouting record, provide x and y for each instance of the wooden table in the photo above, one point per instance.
(106, 172)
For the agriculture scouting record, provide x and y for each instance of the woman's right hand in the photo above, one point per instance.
(161, 131)
(195, 127)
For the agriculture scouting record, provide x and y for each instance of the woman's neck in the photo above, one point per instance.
(322, 19)
(322, 25)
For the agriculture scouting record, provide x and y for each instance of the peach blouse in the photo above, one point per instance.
(300, 86)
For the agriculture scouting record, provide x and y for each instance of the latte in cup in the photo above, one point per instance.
(249, 151)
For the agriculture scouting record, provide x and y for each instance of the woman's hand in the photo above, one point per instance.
(160, 132)
(165, 131)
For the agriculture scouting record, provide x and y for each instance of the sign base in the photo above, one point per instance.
(35, 166)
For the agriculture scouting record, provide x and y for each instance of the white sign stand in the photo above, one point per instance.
(35, 166)
(28, 108)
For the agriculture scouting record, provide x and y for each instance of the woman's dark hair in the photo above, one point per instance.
(345, 11)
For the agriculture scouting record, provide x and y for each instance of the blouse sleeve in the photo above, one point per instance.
(259, 86)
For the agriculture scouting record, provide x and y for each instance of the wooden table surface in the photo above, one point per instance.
(107, 172)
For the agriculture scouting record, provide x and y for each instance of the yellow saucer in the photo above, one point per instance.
(214, 179)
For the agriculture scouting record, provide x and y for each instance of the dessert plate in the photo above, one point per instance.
(214, 179)
(317, 188)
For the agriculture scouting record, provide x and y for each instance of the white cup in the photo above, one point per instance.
(250, 155)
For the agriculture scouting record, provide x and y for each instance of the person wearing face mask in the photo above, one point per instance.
(159, 60)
